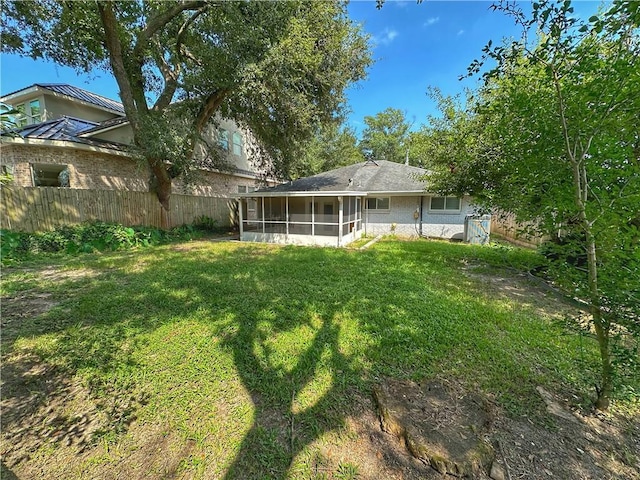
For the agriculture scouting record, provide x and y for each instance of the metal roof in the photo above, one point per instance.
(366, 177)
(77, 94)
(84, 95)
(62, 128)
(65, 129)
(106, 125)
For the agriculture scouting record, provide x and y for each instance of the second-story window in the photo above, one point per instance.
(30, 113)
(34, 111)
(223, 139)
(237, 143)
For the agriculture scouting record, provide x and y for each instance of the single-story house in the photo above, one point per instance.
(369, 198)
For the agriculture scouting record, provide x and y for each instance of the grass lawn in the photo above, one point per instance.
(244, 360)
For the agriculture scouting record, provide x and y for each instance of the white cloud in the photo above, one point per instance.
(431, 21)
(386, 37)
(460, 32)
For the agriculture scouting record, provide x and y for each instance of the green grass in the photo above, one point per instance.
(237, 346)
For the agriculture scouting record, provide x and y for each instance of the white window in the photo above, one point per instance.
(445, 204)
(30, 113)
(378, 203)
(223, 139)
(34, 109)
(237, 143)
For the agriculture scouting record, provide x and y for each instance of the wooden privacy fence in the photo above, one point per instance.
(35, 209)
(506, 226)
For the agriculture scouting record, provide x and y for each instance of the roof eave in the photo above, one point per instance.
(20, 93)
(39, 142)
(102, 130)
(320, 193)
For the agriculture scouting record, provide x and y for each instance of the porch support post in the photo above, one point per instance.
(287, 213)
(263, 215)
(365, 217)
(313, 218)
(340, 218)
(240, 216)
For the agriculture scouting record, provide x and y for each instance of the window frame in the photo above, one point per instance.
(444, 208)
(239, 144)
(26, 115)
(223, 139)
(40, 180)
(377, 208)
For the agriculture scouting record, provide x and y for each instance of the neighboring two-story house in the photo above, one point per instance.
(70, 137)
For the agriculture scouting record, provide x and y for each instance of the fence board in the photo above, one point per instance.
(506, 226)
(33, 209)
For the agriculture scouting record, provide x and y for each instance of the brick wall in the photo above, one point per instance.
(103, 171)
(87, 169)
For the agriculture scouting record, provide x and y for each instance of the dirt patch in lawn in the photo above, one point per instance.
(526, 289)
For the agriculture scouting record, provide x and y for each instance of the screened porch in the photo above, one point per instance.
(305, 220)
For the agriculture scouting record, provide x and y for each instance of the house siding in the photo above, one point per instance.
(56, 107)
(401, 213)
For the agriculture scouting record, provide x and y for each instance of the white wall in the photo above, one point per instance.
(401, 213)
(313, 240)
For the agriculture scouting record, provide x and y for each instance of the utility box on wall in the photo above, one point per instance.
(477, 229)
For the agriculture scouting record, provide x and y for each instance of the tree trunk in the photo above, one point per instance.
(163, 189)
(600, 323)
(576, 158)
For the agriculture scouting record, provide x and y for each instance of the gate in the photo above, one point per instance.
(477, 229)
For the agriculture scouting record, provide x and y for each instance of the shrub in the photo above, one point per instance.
(95, 236)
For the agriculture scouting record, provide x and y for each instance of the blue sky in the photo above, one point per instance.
(415, 46)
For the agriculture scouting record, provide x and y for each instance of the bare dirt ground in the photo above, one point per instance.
(40, 405)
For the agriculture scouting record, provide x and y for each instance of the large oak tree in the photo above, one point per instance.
(279, 69)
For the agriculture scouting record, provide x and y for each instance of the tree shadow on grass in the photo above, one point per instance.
(280, 431)
(251, 297)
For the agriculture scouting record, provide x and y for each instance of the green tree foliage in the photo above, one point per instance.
(278, 68)
(7, 119)
(333, 146)
(386, 136)
(451, 142)
(557, 142)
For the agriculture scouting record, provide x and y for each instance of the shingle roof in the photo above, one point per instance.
(78, 94)
(370, 176)
(65, 129)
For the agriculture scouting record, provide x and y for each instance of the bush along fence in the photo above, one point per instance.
(39, 209)
(94, 236)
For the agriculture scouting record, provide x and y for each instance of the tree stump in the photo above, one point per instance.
(440, 426)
